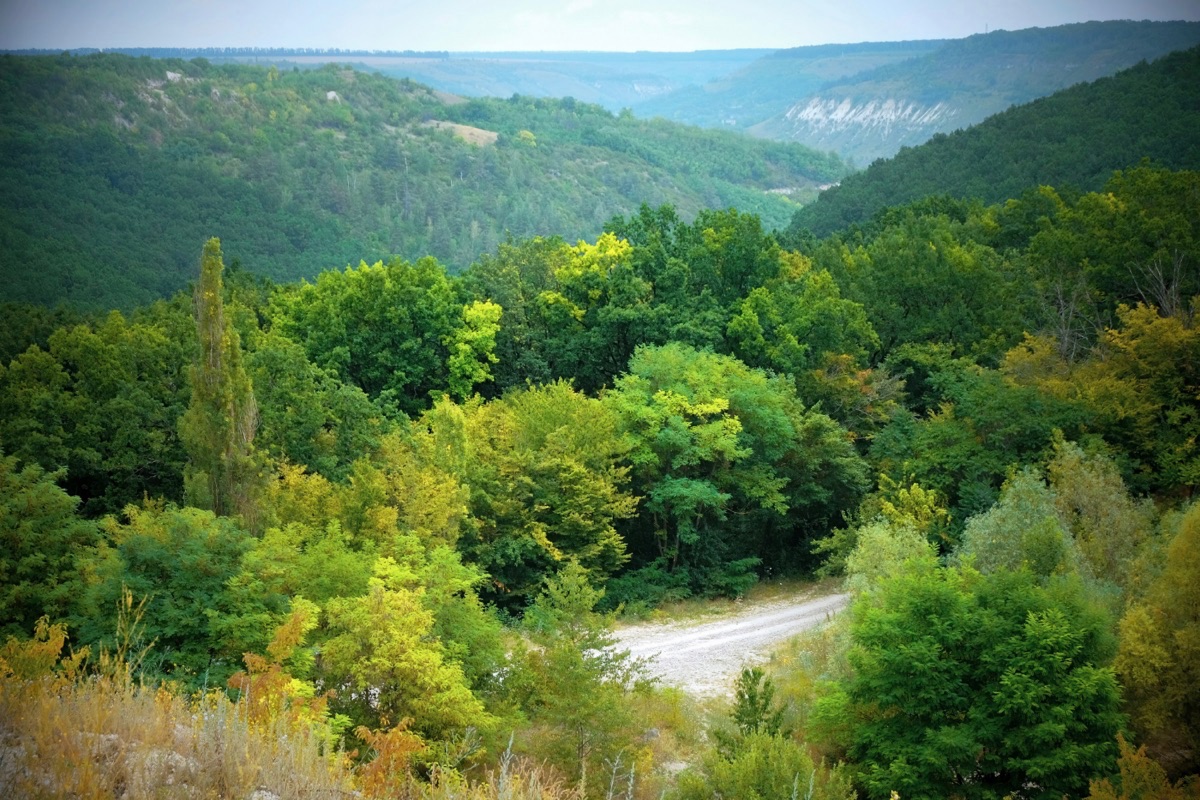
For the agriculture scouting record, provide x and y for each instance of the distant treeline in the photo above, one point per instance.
(232, 52)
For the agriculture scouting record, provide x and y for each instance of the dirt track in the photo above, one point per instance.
(704, 657)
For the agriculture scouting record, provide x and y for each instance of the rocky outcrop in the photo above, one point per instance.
(865, 128)
(883, 117)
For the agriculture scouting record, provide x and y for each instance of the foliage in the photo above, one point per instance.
(220, 422)
(41, 542)
(967, 428)
(580, 312)
(180, 560)
(669, 409)
(1140, 777)
(472, 348)
(977, 686)
(1136, 386)
(270, 693)
(799, 324)
(754, 712)
(884, 549)
(1160, 651)
(384, 328)
(1111, 529)
(546, 480)
(103, 401)
(895, 510)
(1021, 531)
(765, 767)
(385, 665)
(574, 683)
(300, 171)
(923, 280)
(733, 468)
(308, 415)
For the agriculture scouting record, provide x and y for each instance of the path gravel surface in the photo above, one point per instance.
(704, 657)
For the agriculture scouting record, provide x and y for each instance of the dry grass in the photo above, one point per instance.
(470, 135)
(65, 732)
(806, 662)
(98, 733)
(449, 99)
(96, 738)
(106, 738)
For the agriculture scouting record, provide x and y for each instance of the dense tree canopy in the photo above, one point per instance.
(399, 496)
(734, 469)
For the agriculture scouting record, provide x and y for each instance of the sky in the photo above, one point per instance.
(492, 25)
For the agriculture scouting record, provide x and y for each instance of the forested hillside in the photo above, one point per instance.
(875, 113)
(390, 508)
(116, 169)
(1073, 139)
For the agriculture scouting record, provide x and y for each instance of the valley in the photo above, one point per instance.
(363, 437)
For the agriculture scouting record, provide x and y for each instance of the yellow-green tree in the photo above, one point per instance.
(473, 348)
(1159, 656)
(546, 482)
(386, 664)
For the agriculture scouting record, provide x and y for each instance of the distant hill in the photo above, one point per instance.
(114, 171)
(873, 114)
(772, 83)
(1074, 138)
(613, 80)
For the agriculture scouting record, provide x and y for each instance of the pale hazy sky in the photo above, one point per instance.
(538, 24)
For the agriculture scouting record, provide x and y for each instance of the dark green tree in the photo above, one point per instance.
(41, 542)
(102, 402)
(307, 415)
(384, 328)
(219, 425)
(181, 562)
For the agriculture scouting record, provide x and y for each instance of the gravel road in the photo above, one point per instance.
(703, 658)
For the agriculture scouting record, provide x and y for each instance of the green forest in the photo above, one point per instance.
(370, 530)
(116, 170)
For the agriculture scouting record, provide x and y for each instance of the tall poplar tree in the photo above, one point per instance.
(218, 427)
